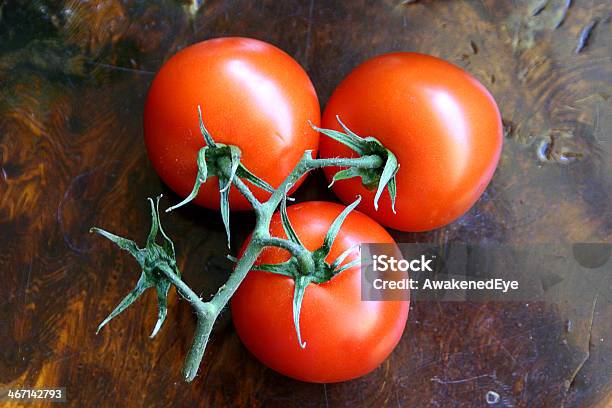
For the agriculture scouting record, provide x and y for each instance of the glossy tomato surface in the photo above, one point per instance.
(345, 337)
(252, 94)
(441, 123)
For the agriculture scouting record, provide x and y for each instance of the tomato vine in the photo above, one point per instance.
(377, 167)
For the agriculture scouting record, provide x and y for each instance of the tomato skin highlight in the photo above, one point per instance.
(345, 337)
(252, 94)
(440, 122)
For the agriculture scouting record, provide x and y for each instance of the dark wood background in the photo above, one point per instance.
(73, 79)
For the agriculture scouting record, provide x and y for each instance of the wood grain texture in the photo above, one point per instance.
(73, 78)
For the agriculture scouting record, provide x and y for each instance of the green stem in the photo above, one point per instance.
(184, 289)
(209, 312)
(304, 257)
(304, 266)
(198, 346)
(243, 266)
(292, 247)
(364, 162)
(248, 194)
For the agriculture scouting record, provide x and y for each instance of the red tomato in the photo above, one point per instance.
(252, 94)
(441, 123)
(345, 337)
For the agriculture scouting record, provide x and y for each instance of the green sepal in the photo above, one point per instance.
(349, 139)
(300, 284)
(225, 206)
(368, 177)
(354, 136)
(290, 269)
(205, 133)
(345, 267)
(153, 258)
(342, 257)
(246, 174)
(142, 285)
(162, 289)
(387, 179)
(376, 178)
(321, 253)
(392, 188)
(123, 243)
(289, 231)
(287, 268)
(234, 155)
(200, 179)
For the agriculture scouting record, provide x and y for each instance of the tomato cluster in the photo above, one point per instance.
(443, 126)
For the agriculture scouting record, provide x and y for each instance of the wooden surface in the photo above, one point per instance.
(73, 78)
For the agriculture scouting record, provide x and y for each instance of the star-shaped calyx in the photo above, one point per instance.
(222, 161)
(373, 179)
(320, 271)
(155, 260)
